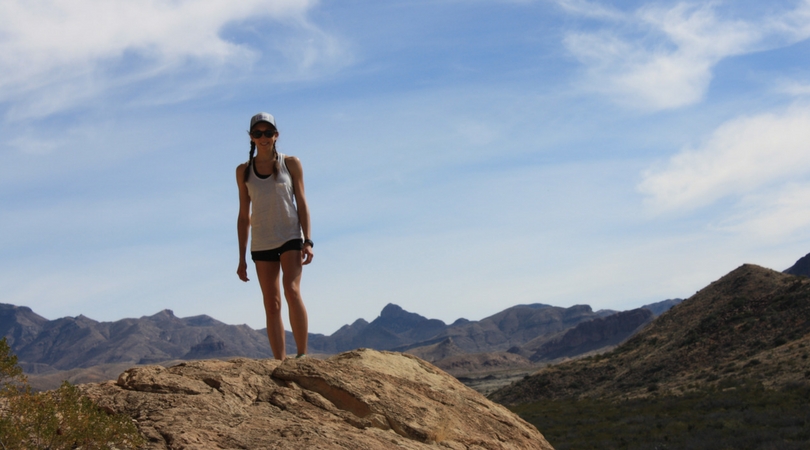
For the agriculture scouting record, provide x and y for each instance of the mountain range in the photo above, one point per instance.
(82, 349)
(752, 324)
(520, 335)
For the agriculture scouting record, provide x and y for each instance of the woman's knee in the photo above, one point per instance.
(272, 306)
(292, 294)
(292, 284)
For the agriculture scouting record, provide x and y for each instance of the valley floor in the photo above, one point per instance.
(743, 416)
(490, 381)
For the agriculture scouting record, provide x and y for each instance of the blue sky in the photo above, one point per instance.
(460, 156)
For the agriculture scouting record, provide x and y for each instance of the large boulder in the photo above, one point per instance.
(363, 399)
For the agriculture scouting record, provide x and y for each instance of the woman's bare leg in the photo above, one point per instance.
(291, 278)
(268, 274)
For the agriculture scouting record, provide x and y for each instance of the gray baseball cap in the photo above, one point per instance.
(262, 117)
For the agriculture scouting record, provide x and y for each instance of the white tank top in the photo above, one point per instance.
(273, 215)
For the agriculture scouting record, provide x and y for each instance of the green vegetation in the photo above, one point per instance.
(60, 419)
(736, 415)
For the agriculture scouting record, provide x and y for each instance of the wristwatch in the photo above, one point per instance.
(309, 242)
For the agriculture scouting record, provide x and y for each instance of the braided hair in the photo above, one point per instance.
(253, 151)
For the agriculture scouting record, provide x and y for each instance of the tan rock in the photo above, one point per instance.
(362, 399)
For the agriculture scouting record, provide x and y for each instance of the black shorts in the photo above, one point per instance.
(275, 254)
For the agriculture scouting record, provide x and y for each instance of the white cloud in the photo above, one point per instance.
(590, 9)
(74, 50)
(794, 88)
(795, 23)
(660, 58)
(741, 156)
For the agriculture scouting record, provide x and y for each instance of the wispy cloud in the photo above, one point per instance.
(794, 88)
(75, 50)
(590, 9)
(741, 158)
(658, 57)
(772, 216)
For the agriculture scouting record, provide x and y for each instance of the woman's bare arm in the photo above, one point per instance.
(243, 221)
(297, 174)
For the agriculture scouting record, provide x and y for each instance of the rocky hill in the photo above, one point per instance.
(752, 324)
(360, 400)
(801, 267)
(20, 325)
(597, 334)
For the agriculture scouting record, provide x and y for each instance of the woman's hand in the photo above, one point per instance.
(306, 255)
(241, 271)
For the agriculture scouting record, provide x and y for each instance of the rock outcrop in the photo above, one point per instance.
(363, 399)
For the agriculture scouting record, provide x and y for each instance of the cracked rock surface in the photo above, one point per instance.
(363, 399)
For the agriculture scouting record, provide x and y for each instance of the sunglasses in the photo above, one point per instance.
(257, 134)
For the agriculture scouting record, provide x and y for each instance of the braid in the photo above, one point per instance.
(275, 162)
(250, 161)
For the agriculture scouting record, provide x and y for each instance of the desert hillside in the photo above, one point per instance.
(752, 324)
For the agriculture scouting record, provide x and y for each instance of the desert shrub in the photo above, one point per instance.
(11, 375)
(60, 419)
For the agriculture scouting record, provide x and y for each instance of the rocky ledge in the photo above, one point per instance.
(363, 399)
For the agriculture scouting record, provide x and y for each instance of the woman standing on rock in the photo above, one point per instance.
(278, 220)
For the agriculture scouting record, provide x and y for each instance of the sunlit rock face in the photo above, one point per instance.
(363, 399)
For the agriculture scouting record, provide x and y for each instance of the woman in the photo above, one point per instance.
(279, 227)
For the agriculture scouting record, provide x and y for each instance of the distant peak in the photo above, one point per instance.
(165, 314)
(391, 310)
(536, 305)
(84, 319)
(8, 306)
